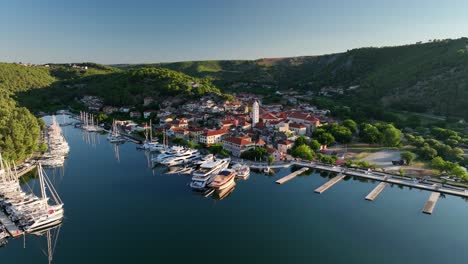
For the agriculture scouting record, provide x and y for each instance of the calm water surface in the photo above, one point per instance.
(121, 211)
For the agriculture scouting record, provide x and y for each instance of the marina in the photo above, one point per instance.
(431, 203)
(376, 191)
(149, 189)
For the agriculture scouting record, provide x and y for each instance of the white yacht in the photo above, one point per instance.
(181, 159)
(204, 175)
(204, 159)
(174, 151)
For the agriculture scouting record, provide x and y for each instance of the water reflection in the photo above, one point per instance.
(224, 193)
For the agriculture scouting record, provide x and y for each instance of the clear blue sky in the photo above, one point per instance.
(136, 31)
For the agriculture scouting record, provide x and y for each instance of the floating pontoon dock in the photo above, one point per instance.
(292, 175)
(431, 203)
(330, 183)
(376, 191)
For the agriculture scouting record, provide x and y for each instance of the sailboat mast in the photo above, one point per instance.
(41, 181)
(151, 131)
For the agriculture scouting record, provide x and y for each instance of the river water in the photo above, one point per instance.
(118, 210)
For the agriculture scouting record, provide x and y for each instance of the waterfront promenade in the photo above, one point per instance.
(377, 176)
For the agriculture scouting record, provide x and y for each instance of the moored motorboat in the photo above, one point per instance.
(223, 180)
(242, 171)
(203, 176)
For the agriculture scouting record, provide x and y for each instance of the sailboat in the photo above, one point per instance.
(149, 143)
(114, 136)
(47, 215)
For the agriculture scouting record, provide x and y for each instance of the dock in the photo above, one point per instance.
(22, 172)
(330, 183)
(431, 203)
(376, 191)
(292, 175)
(12, 229)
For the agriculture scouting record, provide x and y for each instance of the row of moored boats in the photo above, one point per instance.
(58, 147)
(30, 213)
(208, 172)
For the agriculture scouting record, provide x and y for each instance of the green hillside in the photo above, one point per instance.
(424, 77)
(122, 87)
(14, 77)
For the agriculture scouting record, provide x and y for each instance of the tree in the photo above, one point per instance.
(408, 157)
(300, 141)
(326, 139)
(351, 125)
(370, 134)
(314, 145)
(391, 136)
(42, 147)
(256, 153)
(438, 163)
(458, 171)
(427, 152)
(303, 152)
(271, 160)
(341, 134)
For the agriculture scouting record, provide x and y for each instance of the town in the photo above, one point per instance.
(238, 126)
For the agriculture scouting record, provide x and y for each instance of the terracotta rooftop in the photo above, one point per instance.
(241, 141)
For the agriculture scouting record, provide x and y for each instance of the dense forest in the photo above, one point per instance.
(19, 129)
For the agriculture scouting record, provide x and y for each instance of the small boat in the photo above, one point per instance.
(242, 171)
(223, 180)
(268, 170)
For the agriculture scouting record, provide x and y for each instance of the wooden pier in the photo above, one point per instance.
(330, 183)
(292, 175)
(376, 191)
(9, 225)
(431, 203)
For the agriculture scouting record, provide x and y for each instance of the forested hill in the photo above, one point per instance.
(423, 77)
(119, 88)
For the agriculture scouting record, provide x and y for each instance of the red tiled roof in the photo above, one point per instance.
(296, 125)
(285, 142)
(268, 115)
(312, 119)
(298, 115)
(261, 142)
(226, 122)
(241, 141)
(215, 132)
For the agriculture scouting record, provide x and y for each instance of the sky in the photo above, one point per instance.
(150, 31)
